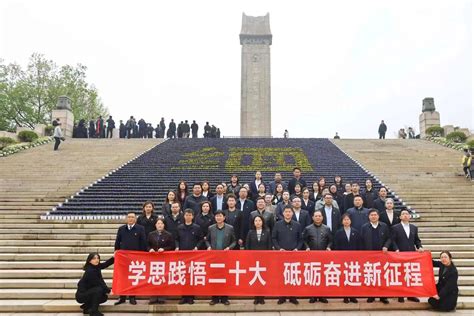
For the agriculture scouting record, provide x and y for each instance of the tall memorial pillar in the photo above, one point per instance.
(428, 117)
(255, 101)
(63, 111)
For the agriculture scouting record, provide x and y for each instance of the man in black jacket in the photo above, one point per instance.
(331, 214)
(194, 129)
(110, 126)
(286, 235)
(218, 201)
(375, 236)
(194, 201)
(349, 199)
(130, 236)
(220, 236)
(246, 206)
(379, 203)
(174, 219)
(296, 179)
(189, 237)
(382, 130)
(317, 236)
(405, 238)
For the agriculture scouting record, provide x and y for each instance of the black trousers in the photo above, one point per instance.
(92, 298)
(57, 141)
(381, 135)
(110, 131)
(220, 298)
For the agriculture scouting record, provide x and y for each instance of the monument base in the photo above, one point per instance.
(428, 119)
(67, 121)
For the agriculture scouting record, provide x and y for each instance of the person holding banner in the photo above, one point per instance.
(286, 235)
(258, 238)
(190, 237)
(158, 241)
(447, 285)
(91, 288)
(220, 236)
(405, 238)
(375, 236)
(347, 238)
(130, 236)
(317, 236)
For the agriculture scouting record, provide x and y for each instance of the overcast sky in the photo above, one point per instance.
(335, 65)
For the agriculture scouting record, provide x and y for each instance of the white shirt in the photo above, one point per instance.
(328, 211)
(58, 132)
(297, 214)
(406, 228)
(257, 183)
(374, 225)
(219, 201)
(348, 233)
(390, 215)
(242, 204)
(130, 226)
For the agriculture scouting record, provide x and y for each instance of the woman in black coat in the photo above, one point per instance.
(148, 217)
(258, 238)
(341, 242)
(91, 288)
(447, 286)
(158, 241)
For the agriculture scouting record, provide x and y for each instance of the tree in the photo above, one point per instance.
(27, 97)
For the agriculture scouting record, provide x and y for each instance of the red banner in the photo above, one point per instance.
(274, 273)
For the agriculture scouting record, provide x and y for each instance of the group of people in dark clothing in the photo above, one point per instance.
(278, 215)
(142, 129)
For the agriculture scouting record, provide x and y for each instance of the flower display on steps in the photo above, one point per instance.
(12, 149)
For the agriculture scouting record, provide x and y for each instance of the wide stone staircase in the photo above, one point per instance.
(429, 178)
(34, 254)
(40, 260)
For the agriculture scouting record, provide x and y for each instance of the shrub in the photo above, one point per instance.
(470, 143)
(435, 131)
(27, 136)
(6, 141)
(48, 130)
(457, 137)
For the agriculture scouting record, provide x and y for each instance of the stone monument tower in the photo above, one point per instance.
(255, 105)
(428, 117)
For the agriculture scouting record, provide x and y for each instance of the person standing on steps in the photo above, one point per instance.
(130, 236)
(194, 129)
(382, 130)
(58, 135)
(91, 288)
(286, 235)
(347, 238)
(160, 240)
(317, 236)
(405, 238)
(110, 127)
(220, 236)
(375, 236)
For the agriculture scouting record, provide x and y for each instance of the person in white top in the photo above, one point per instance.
(58, 134)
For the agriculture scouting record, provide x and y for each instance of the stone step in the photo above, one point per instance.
(55, 243)
(18, 237)
(202, 306)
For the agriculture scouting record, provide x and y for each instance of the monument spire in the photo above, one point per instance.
(255, 101)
